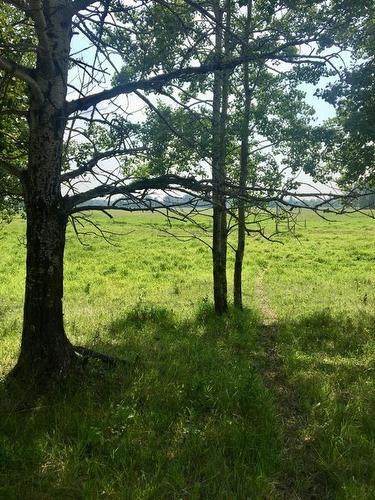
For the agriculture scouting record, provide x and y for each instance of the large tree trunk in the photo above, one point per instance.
(219, 117)
(244, 168)
(45, 349)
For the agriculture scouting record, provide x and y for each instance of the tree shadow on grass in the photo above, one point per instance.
(188, 414)
(186, 417)
(329, 364)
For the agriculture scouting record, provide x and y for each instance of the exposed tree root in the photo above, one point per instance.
(85, 353)
(43, 367)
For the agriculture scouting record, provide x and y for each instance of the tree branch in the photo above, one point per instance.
(217, 22)
(88, 166)
(158, 81)
(168, 181)
(22, 73)
(40, 24)
(79, 5)
(173, 129)
(18, 4)
(11, 169)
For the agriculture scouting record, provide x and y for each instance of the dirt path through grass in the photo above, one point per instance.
(299, 479)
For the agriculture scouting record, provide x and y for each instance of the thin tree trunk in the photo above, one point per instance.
(219, 117)
(219, 212)
(244, 169)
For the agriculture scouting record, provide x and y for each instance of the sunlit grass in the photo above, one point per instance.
(188, 415)
(323, 293)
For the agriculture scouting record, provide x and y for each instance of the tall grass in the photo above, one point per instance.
(190, 413)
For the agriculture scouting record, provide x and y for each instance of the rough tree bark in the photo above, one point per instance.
(219, 117)
(244, 168)
(45, 349)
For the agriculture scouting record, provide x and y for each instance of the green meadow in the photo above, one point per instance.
(276, 401)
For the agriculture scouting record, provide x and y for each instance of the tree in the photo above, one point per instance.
(350, 146)
(45, 349)
(54, 118)
(13, 126)
(239, 39)
(244, 167)
(265, 140)
(220, 102)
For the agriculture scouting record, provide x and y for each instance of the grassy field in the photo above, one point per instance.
(277, 401)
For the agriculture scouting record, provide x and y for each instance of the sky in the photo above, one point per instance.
(322, 108)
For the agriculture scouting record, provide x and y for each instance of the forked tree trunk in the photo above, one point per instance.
(45, 349)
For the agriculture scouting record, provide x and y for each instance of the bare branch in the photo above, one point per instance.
(162, 182)
(88, 166)
(173, 129)
(211, 17)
